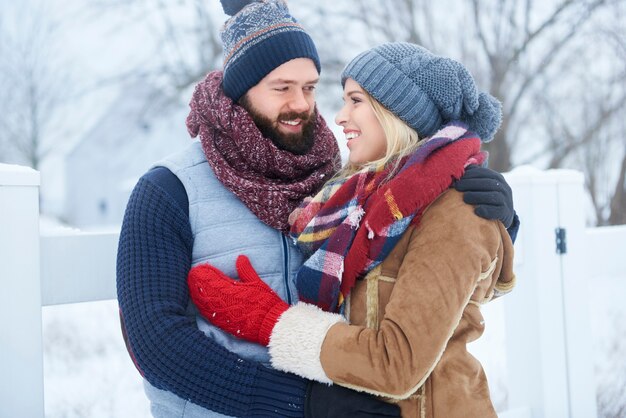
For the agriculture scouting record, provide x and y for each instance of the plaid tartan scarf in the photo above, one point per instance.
(352, 224)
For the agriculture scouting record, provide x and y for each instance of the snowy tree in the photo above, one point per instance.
(34, 85)
(182, 43)
(532, 55)
(583, 126)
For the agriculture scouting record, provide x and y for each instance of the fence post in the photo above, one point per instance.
(21, 347)
(576, 265)
(547, 332)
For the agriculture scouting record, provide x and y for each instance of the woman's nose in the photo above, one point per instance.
(341, 117)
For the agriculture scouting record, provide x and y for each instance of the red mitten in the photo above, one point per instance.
(247, 308)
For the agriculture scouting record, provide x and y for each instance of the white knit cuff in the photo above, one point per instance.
(296, 341)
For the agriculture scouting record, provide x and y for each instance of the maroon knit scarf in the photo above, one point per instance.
(269, 181)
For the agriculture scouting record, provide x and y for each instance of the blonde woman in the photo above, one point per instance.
(398, 265)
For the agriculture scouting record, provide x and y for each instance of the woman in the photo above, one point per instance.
(398, 264)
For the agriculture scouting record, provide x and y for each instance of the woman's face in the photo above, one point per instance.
(365, 135)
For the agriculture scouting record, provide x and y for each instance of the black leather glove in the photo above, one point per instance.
(489, 192)
(323, 401)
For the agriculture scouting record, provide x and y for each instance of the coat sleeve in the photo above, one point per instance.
(448, 254)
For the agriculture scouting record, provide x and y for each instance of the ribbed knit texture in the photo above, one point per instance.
(154, 256)
(423, 89)
(266, 328)
(260, 36)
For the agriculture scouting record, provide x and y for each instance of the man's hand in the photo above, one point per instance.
(489, 192)
(336, 401)
(247, 308)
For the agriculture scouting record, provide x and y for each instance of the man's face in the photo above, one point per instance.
(282, 105)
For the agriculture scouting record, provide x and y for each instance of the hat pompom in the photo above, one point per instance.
(486, 119)
(232, 7)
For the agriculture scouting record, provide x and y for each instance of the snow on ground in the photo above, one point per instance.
(608, 324)
(88, 373)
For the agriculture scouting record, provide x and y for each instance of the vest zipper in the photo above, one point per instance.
(286, 266)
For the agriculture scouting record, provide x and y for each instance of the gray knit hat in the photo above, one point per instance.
(260, 36)
(424, 90)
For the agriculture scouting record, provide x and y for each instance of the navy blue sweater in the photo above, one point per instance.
(154, 257)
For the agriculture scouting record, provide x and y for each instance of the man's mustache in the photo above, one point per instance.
(304, 116)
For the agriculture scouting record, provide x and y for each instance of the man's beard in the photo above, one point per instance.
(300, 143)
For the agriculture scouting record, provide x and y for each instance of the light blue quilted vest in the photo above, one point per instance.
(223, 227)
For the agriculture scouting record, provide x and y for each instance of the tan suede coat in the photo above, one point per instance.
(417, 311)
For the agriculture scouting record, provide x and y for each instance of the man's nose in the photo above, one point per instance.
(299, 103)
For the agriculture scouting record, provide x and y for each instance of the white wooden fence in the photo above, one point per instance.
(549, 362)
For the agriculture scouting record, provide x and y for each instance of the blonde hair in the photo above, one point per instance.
(402, 140)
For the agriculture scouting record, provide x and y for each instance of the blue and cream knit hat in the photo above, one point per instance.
(423, 89)
(260, 36)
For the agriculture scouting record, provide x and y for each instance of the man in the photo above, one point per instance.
(263, 147)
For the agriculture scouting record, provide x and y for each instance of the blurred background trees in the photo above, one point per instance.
(34, 86)
(559, 67)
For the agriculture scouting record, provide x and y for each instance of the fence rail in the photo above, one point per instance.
(549, 365)
(77, 267)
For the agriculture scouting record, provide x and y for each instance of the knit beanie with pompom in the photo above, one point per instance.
(424, 90)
